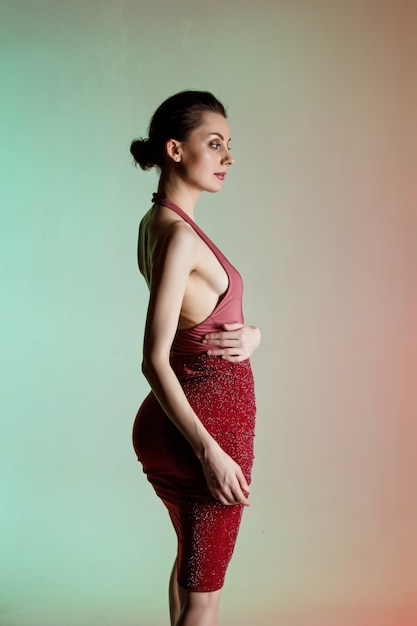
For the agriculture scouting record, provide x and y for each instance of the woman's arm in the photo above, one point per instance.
(176, 260)
(236, 342)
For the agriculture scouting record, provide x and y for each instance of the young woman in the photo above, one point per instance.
(194, 432)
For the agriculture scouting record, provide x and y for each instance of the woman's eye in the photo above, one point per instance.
(215, 145)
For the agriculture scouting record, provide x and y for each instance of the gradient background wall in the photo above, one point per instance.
(319, 214)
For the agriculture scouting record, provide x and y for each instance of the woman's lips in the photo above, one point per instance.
(220, 175)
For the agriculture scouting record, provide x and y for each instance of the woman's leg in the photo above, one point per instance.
(198, 608)
(174, 598)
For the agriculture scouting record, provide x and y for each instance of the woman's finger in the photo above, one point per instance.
(225, 352)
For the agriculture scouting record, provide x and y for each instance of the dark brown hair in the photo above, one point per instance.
(175, 118)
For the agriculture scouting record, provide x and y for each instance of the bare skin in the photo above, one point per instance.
(185, 281)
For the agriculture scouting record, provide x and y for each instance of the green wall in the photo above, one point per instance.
(318, 214)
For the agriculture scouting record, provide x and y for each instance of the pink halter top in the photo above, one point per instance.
(229, 306)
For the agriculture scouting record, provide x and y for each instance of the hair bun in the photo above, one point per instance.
(142, 152)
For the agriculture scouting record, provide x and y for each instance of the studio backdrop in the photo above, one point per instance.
(319, 215)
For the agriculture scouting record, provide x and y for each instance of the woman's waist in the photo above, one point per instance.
(204, 365)
(190, 340)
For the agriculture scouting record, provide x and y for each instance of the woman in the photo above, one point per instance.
(194, 432)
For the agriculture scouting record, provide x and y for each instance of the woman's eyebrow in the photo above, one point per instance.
(219, 135)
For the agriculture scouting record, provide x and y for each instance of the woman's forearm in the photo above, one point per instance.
(172, 399)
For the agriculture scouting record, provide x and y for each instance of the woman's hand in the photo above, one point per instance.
(236, 342)
(224, 476)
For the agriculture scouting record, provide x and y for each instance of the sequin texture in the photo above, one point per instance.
(222, 395)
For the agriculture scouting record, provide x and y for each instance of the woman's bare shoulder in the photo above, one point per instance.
(162, 235)
(165, 227)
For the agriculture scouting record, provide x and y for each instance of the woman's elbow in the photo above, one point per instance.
(148, 369)
(152, 366)
(144, 368)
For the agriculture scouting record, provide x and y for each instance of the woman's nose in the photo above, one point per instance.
(228, 158)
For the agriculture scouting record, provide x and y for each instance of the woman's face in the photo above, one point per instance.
(203, 159)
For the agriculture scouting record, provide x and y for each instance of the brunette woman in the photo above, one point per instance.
(194, 432)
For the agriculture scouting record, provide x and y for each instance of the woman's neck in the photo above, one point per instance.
(179, 192)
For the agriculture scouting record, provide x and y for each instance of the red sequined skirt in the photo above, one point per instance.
(222, 396)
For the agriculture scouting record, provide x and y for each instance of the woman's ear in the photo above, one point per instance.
(173, 150)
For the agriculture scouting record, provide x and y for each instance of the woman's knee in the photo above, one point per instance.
(199, 599)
